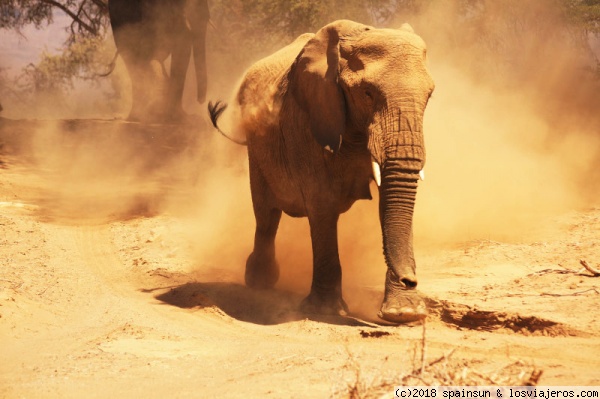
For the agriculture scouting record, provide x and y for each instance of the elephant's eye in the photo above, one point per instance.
(369, 95)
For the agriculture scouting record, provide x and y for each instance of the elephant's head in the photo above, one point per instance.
(365, 85)
(198, 16)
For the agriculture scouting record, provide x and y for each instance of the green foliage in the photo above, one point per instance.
(584, 14)
(57, 72)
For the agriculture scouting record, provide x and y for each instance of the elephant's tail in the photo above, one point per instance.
(215, 110)
(111, 66)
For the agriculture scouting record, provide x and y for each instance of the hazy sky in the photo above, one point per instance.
(17, 51)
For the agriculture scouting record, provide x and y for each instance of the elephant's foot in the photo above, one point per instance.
(324, 304)
(400, 303)
(404, 306)
(261, 272)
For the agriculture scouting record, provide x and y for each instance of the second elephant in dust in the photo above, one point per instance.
(321, 118)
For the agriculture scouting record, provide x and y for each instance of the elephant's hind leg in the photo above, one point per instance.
(262, 270)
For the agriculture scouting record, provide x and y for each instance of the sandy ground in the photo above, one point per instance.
(107, 292)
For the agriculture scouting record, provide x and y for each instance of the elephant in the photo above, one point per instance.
(147, 32)
(322, 118)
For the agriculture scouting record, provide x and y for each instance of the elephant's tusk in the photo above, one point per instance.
(422, 174)
(376, 173)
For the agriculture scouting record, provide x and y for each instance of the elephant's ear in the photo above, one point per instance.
(314, 85)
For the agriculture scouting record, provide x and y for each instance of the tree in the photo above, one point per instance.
(89, 16)
(81, 56)
(584, 15)
(504, 32)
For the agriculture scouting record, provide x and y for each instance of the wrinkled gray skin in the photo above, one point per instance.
(360, 92)
(147, 31)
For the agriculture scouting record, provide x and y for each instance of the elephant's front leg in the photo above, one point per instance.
(326, 291)
(262, 270)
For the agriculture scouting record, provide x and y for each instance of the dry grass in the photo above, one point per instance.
(446, 370)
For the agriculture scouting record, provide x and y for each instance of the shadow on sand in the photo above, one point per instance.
(264, 307)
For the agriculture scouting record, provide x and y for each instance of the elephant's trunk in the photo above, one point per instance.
(396, 206)
(400, 150)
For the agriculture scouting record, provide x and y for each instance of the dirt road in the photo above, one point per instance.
(107, 291)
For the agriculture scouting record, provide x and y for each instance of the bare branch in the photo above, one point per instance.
(578, 293)
(72, 15)
(423, 349)
(101, 4)
(443, 357)
(590, 269)
(81, 8)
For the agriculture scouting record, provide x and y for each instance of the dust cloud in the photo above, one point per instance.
(513, 129)
(512, 134)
